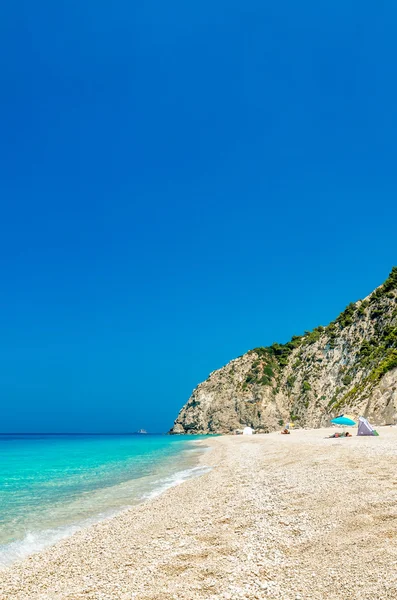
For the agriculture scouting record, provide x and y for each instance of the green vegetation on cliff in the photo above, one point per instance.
(377, 353)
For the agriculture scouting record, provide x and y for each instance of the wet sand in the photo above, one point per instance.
(288, 517)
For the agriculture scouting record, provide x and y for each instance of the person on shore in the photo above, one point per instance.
(285, 431)
(340, 435)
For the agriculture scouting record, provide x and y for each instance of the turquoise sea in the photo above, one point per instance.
(52, 485)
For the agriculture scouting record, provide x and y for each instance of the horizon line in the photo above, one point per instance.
(81, 433)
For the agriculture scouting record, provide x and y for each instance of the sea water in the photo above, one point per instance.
(53, 485)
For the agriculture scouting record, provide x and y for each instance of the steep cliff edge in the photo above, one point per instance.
(348, 366)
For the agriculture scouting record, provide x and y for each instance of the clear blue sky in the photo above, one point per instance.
(181, 182)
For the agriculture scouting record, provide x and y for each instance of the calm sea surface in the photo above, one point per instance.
(52, 485)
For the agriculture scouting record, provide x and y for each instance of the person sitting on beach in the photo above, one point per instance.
(340, 435)
(285, 431)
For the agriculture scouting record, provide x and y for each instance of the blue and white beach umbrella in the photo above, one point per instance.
(343, 420)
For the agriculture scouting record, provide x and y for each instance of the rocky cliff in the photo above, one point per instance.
(349, 366)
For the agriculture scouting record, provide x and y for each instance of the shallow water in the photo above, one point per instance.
(52, 485)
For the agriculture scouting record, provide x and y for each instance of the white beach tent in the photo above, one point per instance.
(248, 431)
(364, 428)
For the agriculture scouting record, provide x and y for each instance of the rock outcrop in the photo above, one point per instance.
(349, 366)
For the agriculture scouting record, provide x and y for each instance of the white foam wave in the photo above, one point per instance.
(166, 483)
(34, 541)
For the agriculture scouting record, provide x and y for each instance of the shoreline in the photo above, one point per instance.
(276, 517)
(36, 541)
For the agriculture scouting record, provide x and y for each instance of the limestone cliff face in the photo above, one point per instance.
(349, 366)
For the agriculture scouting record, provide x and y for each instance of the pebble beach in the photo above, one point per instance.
(284, 517)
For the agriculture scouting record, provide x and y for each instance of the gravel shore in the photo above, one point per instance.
(284, 517)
